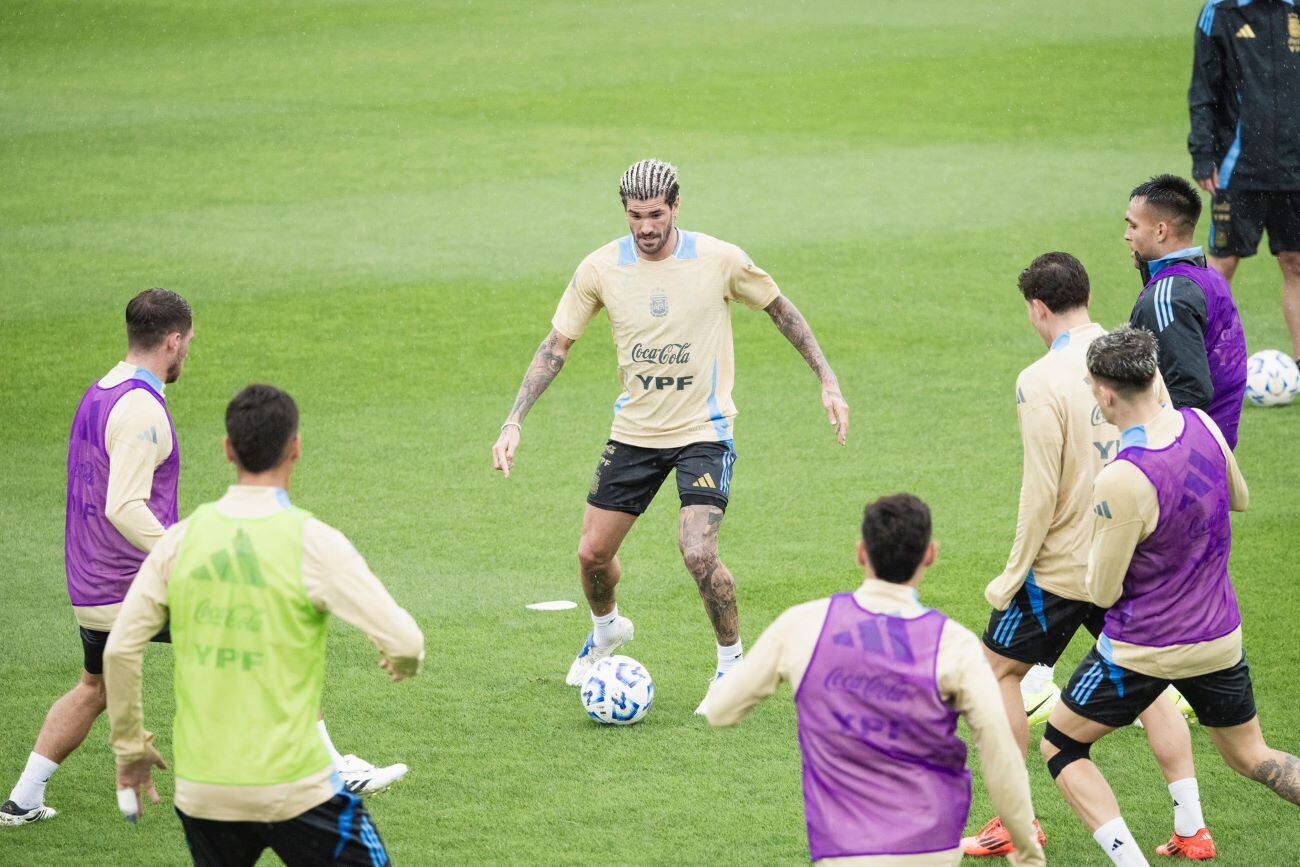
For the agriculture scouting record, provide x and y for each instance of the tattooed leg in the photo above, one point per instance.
(699, 546)
(603, 532)
(1281, 774)
(1245, 751)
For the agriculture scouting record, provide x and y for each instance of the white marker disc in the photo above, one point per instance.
(557, 605)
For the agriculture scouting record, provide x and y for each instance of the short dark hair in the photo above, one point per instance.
(1175, 198)
(153, 314)
(261, 421)
(1058, 280)
(1124, 359)
(896, 532)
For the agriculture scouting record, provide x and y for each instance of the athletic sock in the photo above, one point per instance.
(1116, 840)
(729, 655)
(329, 744)
(1037, 679)
(30, 789)
(605, 627)
(1187, 807)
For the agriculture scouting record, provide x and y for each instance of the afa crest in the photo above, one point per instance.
(659, 305)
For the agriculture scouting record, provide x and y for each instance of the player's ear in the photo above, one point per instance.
(862, 553)
(931, 554)
(230, 451)
(295, 448)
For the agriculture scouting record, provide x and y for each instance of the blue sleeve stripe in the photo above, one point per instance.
(1207, 18)
(1159, 300)
(1230, 160)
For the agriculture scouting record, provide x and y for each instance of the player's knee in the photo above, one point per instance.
(1060, 750)
(701, 561)
(593, 557)
(92, 695)
(1290, 265)
(1227, 267)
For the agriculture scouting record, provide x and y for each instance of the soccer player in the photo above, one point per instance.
(1187, 305)
(123, 469)
(248, 584)
(123, 474)
(879, 681)
(1245, 136)
(1040, 600)
(1159, 563)
(666, 291)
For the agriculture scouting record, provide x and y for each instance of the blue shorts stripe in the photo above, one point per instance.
(1086, 684)
(345, 822)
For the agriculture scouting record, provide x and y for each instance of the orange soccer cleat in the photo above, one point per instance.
(995, 839)
(1198, 847)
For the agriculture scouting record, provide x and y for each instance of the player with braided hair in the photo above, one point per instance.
(666, 291)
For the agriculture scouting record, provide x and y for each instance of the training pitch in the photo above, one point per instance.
(376, 207)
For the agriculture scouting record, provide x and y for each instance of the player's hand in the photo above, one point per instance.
(837, 409)
(503, 453)
(138, 777)
(1210, 184)
(399, 669)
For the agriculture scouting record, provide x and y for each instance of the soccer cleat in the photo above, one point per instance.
(12, 814)
(701, 709)
(1039, 706)
(593, 653)
(1184, 707)
(1198, 847)
(362, 778)
(995, 839)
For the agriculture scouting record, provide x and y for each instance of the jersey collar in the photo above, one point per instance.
(1155, 266)
(148, 378)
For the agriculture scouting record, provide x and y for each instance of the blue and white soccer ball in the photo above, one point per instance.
(618, 691)
(1272, 378)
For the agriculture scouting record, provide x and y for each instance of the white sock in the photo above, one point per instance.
(30, 790)
(329, 744)
(729, 655)
(1037, 679)
(1187, 807)
(1116, 840)
(605, 626)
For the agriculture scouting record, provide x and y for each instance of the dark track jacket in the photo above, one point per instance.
(1245, 94)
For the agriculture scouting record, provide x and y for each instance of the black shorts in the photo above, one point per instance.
(92, 647)
(1113, 695)
(338, 831)
(1239, 218)
(628, 477)
(1038, 625)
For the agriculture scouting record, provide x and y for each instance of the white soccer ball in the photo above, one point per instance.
(618, 691)
(1272, 378)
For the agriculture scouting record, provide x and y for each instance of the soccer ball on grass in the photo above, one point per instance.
(618, 691)
(1272, 378)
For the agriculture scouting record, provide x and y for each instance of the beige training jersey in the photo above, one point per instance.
(672, 330)
(138, 439)
(1066, 442)
(784, 650)
(337, 580)
(1126, 511)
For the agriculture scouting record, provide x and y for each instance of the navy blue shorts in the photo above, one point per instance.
(1114, 696)
(628, 477)
(337, 832)
(92, 647)
(1038, 625)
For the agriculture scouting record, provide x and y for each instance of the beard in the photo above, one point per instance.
(174, 371)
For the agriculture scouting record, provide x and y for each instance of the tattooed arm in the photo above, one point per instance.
(790, 322)
(546, 365)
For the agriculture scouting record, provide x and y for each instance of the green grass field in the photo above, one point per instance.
(376, 205)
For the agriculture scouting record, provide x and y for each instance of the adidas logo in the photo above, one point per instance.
(1245, 32)
(1118, 842)
(705, 481)
(1102, 509)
